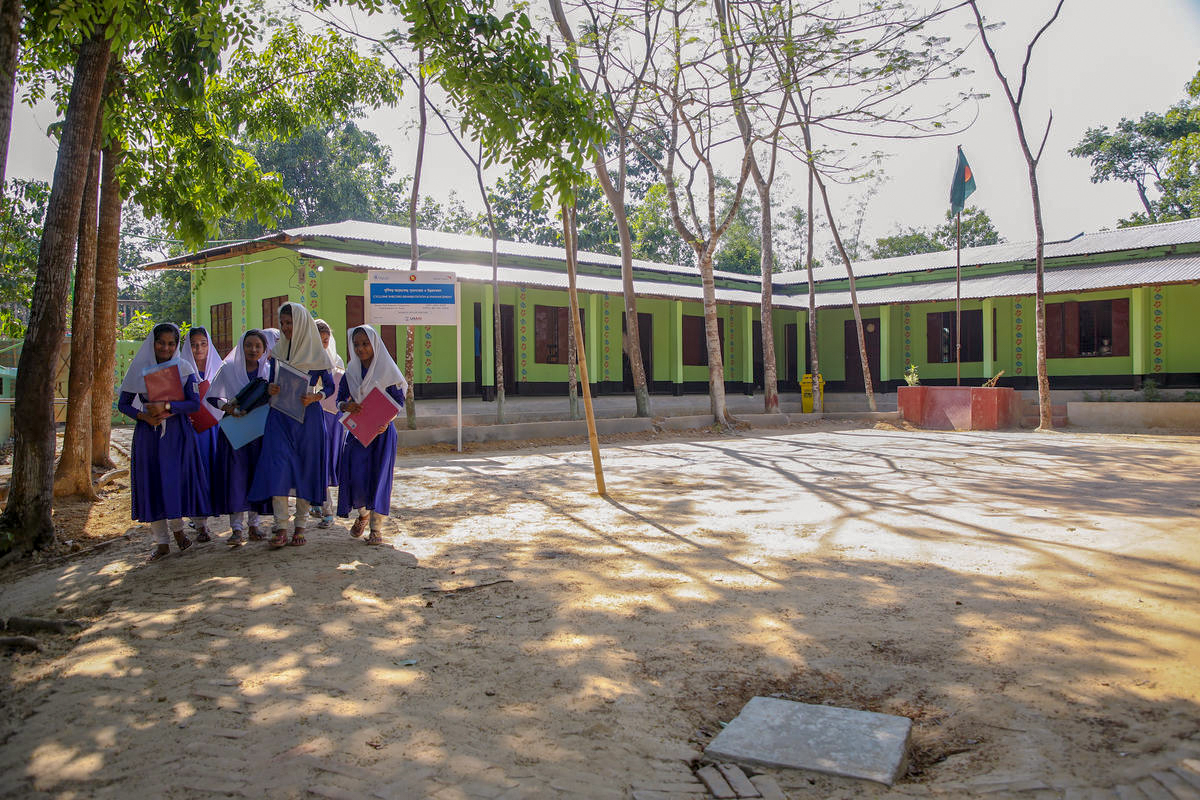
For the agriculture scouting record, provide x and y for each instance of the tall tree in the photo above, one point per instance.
(73, 474)
(27, 520)
(104, 312)
(11, 14)
(1046, 420)
(613, 173)
(1138, 152)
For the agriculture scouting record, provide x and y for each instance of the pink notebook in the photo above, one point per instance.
(378, 409)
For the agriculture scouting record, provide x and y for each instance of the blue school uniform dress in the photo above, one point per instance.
(169, 477)
(365, 473)
(293, 456)
(335, 436)
(233, 472)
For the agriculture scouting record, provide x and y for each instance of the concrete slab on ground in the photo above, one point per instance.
(836, 741)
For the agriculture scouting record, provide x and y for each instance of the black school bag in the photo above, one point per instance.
(252, 395)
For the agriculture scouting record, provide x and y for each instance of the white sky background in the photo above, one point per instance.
(1101, 60)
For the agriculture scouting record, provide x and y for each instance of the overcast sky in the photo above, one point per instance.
(1102, 59)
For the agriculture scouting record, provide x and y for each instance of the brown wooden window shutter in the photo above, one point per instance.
(1054, 330)
(1070, 328)
(934, 352)
(1120, 326)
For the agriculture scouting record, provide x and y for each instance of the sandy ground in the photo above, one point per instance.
(1029, 600)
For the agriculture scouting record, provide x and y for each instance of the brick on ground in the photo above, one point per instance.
(737, 780)
(768, 787)
(716, 783)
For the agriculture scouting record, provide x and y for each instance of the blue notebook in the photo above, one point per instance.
(241, 431)
(293, 385)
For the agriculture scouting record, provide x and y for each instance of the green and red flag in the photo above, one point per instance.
(963, 185)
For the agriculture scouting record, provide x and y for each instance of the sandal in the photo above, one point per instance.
(376, 538)
(158, 553)
(326, 522)
(298, 539)
(255, 536)
(202, 535)
(278, 538)
(360, 525)
(182, 540)
(236, 539)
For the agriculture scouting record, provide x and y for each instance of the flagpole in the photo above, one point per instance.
(958, 301)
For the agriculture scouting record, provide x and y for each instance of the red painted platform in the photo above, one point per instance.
(959, 408)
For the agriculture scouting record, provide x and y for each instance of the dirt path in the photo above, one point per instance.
(1031, 601)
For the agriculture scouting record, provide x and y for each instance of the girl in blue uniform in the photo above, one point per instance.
(207, 362)
(233, 470)
(365, 473)
(293, 452)
(334, 431)
(169, 481)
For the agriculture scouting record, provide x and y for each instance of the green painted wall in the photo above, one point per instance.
(1181, 313)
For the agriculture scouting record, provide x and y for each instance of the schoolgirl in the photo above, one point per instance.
(293, 452)
(365, 473)
(233, 470)
(169, 481)
(334, 432)
(207, 362)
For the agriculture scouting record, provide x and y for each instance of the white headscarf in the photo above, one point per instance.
(303, 350)
(273, 336)
(232, 377)
(145, 358)
(382, 372)
(338, 364)
(214, 358)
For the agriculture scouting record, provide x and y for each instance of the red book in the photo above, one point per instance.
(163, 383)
(203, 419)
(378, 409)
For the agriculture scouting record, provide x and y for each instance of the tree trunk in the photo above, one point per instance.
(572, 369)
(410, 407)
(869, 389)
(813, 354)
(712, 337)
(1141, 190)
(73, 476)
(766, 267)
(1045, 409)
(497, 325)
(633, 333)
(104, 341)
(11, 12)
(28, 514)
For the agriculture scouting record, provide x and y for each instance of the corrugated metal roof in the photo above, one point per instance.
(481, 245)
(1164, 234)
(548, 279)
(1172, 269)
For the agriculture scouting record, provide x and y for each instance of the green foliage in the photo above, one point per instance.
(520, 218)
(654, 235)
(741, 246)
(1150, 391)
(518, 98)
(911, 376)
(139, 327)
(22, 212)
(1158, 154)
(977, 231)
(168, 297)
(329, 173)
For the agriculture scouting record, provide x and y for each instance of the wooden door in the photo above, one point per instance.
(854, 374)
(645, 332)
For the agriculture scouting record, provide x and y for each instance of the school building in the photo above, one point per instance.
(1122, 306)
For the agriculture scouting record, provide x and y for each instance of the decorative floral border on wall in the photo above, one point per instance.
(244, 320)
(907, 336)
(607, 336)
(429, 354)
(313, 295)
(521, 331)
(1018, 337)
(1158, 342)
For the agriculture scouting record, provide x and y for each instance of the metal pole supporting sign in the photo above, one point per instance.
(418, 298)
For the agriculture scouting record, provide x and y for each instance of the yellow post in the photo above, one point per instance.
(569, 240)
